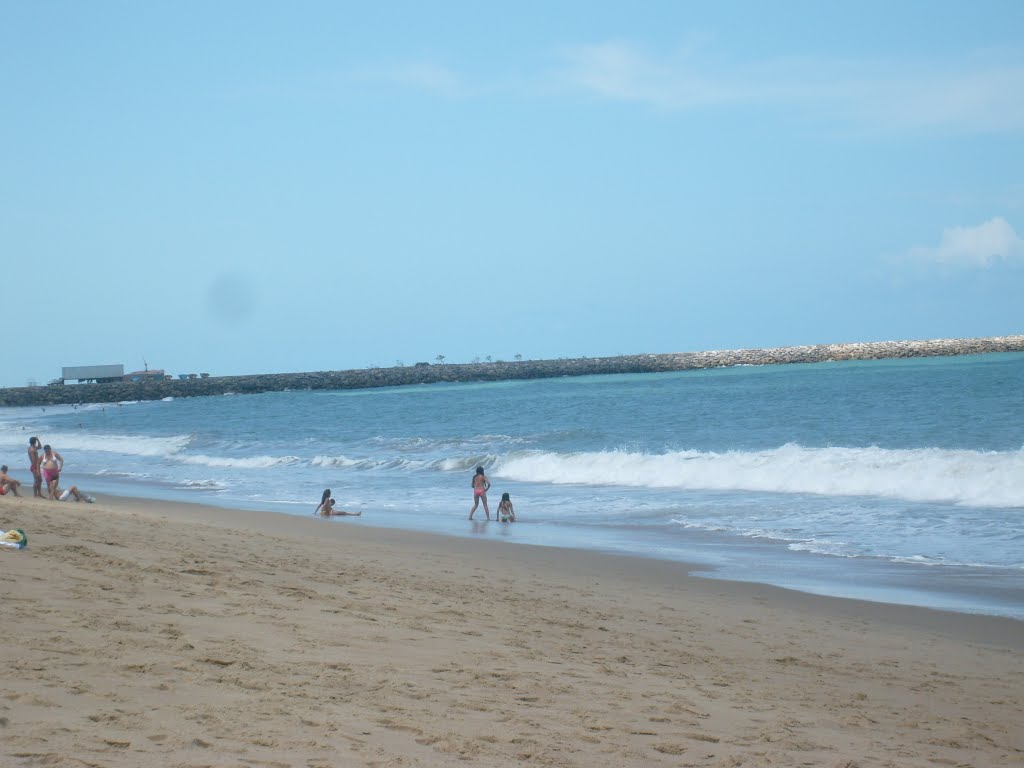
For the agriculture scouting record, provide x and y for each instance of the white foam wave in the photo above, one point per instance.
(448, 444)
(117, 473)
(125, 445)
(344, 462)
(974, 478)
(249, 462)
(201, 485)
(466, 463)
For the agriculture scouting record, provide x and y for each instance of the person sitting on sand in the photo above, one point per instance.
(506, 512)
(327, 509)
(7, 483)
(52, 464)
(480, 485)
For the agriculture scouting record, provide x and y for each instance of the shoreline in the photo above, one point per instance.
(664, 572)
(725, 558)
(155, 633)
(647, 570)
(427, 373)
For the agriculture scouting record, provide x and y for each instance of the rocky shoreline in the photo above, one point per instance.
(423, 373)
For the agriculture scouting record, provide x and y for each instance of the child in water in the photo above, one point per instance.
(323, 501)
(327, 509)
(506, 512)
(480, 485)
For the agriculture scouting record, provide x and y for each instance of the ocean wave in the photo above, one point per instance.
(973, 478)
(390, 463)
(125, 445)
(395, 463)
(118, 473)
(200, 485)
(445, 444)
(466, 463)
(249, 462)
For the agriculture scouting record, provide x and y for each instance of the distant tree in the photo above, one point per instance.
(440, 359)
(399, 364)
(476, 359)
(488, 358)
(31, 383)
(518, 356)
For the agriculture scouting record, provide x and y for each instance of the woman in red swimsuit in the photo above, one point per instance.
(52, 463)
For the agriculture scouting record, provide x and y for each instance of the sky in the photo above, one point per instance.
(250, 187)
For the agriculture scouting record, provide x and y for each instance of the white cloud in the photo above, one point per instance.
(973, 247)
(974, 94)
(621, 73)
(970, 94)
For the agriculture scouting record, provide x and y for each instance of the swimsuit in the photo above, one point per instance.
(479, 491)
(50, 474)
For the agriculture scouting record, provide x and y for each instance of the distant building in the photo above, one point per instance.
(101, 374)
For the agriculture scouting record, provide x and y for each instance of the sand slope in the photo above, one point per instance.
(139, 633)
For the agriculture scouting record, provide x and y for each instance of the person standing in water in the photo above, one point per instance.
(480, 485)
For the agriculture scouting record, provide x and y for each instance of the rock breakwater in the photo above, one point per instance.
(499, 371)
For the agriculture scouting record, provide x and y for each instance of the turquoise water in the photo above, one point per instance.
(893, 480)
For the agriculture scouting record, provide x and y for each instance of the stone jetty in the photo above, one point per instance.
(423, 373)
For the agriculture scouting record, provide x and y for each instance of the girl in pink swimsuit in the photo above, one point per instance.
(480, 485)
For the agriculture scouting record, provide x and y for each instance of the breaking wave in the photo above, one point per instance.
(973, 478)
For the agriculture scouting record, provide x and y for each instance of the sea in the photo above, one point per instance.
(898, 481)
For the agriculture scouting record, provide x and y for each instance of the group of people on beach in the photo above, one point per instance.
(45, 466)
(48, 465)
(506, 513)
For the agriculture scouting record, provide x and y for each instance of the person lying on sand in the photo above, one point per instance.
(327, 509)
(74, 493)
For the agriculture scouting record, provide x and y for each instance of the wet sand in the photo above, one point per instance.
(145, 633)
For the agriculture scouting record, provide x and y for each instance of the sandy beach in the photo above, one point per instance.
(142, 633)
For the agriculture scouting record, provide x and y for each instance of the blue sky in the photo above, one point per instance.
(241, 187)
